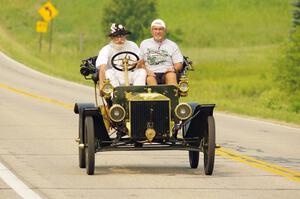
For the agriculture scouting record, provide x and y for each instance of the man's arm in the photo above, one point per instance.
(101, 63)
(101, 76)
(177, 58)
(177, 67)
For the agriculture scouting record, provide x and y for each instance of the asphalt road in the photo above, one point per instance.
(38, 154)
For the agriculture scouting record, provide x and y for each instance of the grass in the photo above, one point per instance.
(240, 80)
(223, 23)
(233, 44)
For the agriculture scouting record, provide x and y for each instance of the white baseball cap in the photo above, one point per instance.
(159, 23)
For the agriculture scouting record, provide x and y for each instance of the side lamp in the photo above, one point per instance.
(107, 89)
(183, 86)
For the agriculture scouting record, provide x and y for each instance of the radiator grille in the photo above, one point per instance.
(140, 116)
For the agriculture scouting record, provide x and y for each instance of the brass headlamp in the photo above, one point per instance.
(183, 111)
(117, 113)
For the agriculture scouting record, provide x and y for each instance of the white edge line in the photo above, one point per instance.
(256, 120)
(16, 184)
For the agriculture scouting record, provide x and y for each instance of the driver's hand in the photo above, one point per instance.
(101, 93)
(140, 63)
(101, 90)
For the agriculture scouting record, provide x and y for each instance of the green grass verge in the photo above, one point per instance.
(240, 80)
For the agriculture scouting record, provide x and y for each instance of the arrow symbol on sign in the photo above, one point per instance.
(49, 10)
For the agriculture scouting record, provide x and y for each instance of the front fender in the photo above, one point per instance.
(89, 109)
(197, 126)
(79, 106)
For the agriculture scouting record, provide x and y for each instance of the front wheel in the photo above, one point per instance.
(209, 146)
(89, 145)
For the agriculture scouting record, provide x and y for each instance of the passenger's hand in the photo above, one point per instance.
(140, 63)
(171, 69)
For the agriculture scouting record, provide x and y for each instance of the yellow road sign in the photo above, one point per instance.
(48, 11)
(41, 26)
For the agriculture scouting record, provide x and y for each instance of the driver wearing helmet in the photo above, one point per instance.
(118, 44)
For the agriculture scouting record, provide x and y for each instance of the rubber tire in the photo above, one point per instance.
(209, 148)
(90, 145)
(81, 151)
(194, 159)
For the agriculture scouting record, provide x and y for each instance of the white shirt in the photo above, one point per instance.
(108, 51)
(160, 56)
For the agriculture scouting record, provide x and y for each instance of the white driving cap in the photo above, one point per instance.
(158, 23)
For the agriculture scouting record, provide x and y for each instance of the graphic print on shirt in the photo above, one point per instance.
(155, 57)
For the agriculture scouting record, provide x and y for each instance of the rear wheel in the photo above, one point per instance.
(89, 145)
(209, 146)
(194, 159)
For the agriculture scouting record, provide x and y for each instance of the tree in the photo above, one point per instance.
(135, 15)
(296, 14)
(289, 66)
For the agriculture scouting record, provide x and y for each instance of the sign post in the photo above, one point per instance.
(48, 12)
(41, 27)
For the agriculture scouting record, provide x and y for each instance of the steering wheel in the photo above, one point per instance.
(121, 59)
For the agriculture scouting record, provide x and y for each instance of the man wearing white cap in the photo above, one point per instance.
(162, 56)
(118, 44)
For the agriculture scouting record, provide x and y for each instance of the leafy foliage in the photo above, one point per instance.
(288, 73)
(288, 68)
(135, 15)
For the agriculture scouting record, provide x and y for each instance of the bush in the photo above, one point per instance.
(288, 73)
(288, 67)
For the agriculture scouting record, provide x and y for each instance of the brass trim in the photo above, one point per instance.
(105, 114)
(148, 97)
(129, 128)
(172, 124)
(150, 134)
(128, 95)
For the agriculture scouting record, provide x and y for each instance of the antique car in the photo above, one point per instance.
(143, 118)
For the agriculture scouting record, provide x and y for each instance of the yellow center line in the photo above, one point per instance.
(294, 175)
(37, 97)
